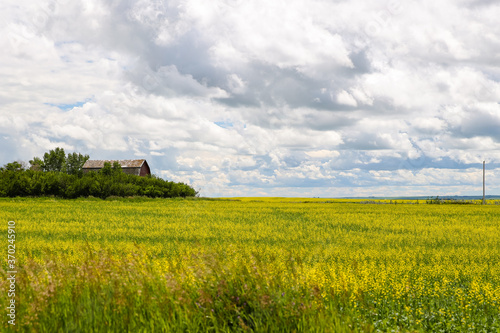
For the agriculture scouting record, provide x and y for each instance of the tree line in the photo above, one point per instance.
(61, 175)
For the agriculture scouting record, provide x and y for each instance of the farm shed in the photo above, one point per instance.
(133, 167)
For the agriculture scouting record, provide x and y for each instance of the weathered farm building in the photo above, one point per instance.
(133, 167)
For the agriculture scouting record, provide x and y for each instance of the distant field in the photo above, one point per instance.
(253, 264)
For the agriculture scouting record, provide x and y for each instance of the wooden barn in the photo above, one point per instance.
(133, 167)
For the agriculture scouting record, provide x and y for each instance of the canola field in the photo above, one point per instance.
(251, 265)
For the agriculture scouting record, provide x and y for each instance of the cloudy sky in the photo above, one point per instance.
(327, 98)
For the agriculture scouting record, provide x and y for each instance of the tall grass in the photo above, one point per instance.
(104, 293)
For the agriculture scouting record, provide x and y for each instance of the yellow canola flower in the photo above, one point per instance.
(368, 252)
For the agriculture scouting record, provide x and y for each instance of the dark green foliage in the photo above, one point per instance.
(13, 166)
(36, 164)
(117, 168)
(75, 162)
(54, 160)
(61, 176)
(106, 169)
(110, 181)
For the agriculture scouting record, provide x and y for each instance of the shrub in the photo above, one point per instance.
(110, 182)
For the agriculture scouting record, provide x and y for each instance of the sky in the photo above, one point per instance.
(316, 98)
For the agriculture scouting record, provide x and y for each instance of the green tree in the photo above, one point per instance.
(117, 168)
(14, 166)
(54, 160)
(59, 176)
(75, 162)
(106, 169)
(36, 164)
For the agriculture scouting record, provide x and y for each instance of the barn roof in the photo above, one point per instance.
(97, 164)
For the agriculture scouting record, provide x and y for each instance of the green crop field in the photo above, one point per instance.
(251, 264)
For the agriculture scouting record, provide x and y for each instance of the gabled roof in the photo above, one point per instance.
(97, 164)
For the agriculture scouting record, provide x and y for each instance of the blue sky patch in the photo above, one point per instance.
(224, 124)
(67, 107)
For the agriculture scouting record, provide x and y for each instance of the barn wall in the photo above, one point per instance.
(131, 171)
(142, 170)
(87, 170)
(145, 170)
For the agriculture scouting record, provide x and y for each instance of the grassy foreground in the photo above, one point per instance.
(264, 265)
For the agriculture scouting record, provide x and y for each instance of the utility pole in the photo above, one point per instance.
(484, 182)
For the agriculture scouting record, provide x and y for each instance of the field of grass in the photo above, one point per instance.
(252, 264)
